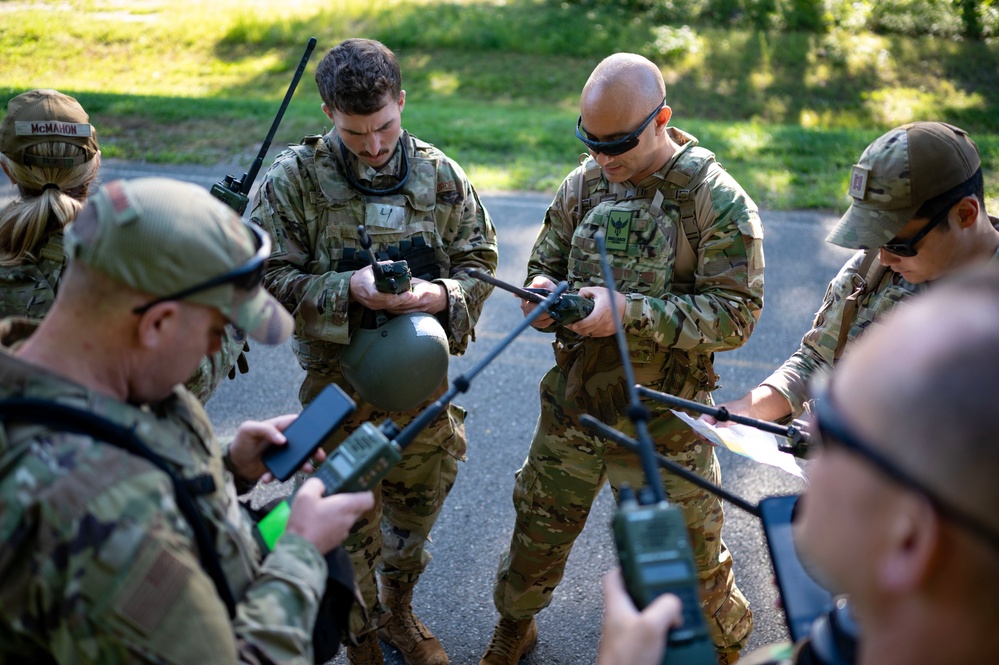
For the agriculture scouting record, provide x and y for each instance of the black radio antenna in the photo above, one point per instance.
(235, 192)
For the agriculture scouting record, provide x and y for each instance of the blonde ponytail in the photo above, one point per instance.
(50, 198)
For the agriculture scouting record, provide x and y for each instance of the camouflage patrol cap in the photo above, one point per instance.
(899, 172)
(42, 116)
(163, 237)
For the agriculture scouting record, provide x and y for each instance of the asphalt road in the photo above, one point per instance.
(454, 597)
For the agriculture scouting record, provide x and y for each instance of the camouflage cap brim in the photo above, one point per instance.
(261, 317)
(861, 227)
(897, 174)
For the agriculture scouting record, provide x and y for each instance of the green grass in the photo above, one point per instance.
(496, 84)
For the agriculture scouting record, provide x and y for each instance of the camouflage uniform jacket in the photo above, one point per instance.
(97, 564)
(691, 265)
(312, 213)
(30, 289)
(818, 346)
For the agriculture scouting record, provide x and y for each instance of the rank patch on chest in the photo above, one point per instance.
(618, 227)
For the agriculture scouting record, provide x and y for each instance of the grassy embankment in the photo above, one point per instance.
(496, 84)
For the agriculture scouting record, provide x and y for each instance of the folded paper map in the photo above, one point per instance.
(747, 441)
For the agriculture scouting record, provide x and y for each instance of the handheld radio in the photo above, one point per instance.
(570, 308)
(390, 276)
(651, 536)
(798, 438)
(367, 455)
(234, 192)
(803, 598)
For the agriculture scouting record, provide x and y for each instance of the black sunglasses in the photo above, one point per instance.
(245, 278)
(833, 430)
(907, 248)
(617, 146)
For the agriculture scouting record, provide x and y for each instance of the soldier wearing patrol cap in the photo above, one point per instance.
(121, 536)
(685, 244)
(416, 205)
(917, 214)
(48, 149)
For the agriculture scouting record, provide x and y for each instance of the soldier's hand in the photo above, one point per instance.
(364, 291)
(326, 521)
(526, 306)
(630, 636)
(252, 438)
(600, 322)
(423, 296)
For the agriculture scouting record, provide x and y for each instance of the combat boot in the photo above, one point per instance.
(512, 640)
(367, 651)
(404, 631)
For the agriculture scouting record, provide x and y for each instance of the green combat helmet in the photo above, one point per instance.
(399, 364)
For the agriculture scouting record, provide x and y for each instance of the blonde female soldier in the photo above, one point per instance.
(48, 149)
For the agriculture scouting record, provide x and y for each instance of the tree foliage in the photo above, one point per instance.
(968, 19)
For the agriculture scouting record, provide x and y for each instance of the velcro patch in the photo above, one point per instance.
(48, 128)
(858, 181)
(618, 228)
(146, 601)
(446, 186)
(121, 204)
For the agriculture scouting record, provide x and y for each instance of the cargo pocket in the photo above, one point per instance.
(455, 444)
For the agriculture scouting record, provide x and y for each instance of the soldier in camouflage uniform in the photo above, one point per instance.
(48, 149)
(899, 512)
(685, 244)
(416, 204)
(101, 558)
(918, 214)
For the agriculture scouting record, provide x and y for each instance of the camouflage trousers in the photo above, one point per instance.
(390, 538)
(565, 469)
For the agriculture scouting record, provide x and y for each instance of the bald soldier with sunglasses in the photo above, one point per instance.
(917, 214)
(685, 242)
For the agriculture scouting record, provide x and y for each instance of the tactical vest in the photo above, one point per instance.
(651, 238)
(29, 289)
(674, 203)
(866, 281)
(402, 225)
(55, 416)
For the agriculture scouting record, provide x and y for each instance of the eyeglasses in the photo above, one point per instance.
(245, 278)
(617, 146)
(833, 430)
(907, 248)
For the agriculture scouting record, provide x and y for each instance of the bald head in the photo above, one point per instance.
(924, 387)
(627, 78)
